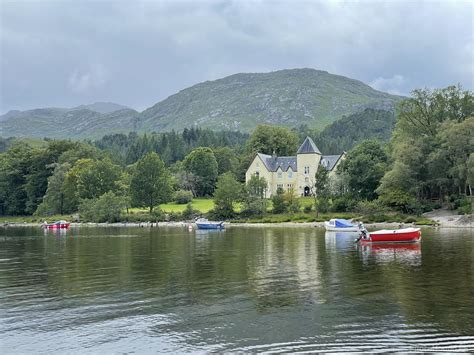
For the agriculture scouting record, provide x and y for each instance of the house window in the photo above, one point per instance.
(306, 169)
(280, 174)
(290, 174)
(257, 174)
(289, 187)
(280, 186)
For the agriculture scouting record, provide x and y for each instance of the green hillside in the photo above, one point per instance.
(347, 132)
(64, 123)
(286, 97)
(289, 98)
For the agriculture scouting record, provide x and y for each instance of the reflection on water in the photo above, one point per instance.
(407, 253)
(261, 289)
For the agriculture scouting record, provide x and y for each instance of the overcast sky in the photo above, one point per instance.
(136, 53)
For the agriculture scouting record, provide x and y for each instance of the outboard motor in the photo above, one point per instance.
(363, 233)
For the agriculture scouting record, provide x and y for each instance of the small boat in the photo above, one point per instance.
(340, 225)
(203, 223)
(56, 225)
(404, 235)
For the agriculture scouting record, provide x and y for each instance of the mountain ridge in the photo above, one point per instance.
(289, 97)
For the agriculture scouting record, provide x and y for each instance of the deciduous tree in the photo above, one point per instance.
(151, 182)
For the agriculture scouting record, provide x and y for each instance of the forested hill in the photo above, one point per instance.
(347, 132)
(289, 98)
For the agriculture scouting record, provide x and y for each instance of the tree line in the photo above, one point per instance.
(428, 161)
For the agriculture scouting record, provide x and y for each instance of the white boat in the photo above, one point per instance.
(203, 223)
(340, 225)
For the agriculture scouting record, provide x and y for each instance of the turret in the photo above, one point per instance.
(308, 158)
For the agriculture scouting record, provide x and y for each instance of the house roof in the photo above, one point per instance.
(273, 163)
(330, 161)
(308, 146)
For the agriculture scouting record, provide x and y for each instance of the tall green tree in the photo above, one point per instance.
(364, 167)
(14, 167)
(227, 193)
(268, 139)
(430, 145)
(321, 190)
(253, 197)
(226, 160)
(151, 182)
(54, 199)
(42, 164)
(97, 178)
(202, 163)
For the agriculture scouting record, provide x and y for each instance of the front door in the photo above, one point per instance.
(306, 191)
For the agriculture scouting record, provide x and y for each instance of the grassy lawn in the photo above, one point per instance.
(200, 204)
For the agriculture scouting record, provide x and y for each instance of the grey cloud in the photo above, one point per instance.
(137, 53)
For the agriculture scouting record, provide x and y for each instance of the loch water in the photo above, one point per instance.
(260, 289)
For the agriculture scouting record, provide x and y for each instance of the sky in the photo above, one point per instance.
(137, 53)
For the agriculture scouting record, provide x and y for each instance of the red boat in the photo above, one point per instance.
(404, 235)
(56, 225)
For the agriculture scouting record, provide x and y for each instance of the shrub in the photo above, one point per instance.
(369, 208)
(106, 208)
(322, 205)
(307, 209)
(183, 197)
(466, 205)
(401, 201)
(292, 202)
(278, 202)
(343, 203)
(188, 213)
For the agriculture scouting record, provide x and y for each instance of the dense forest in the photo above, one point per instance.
(417, 159)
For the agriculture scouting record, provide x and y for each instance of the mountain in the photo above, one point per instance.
(68, 123)
(287, 97)
(291, 98)
(102, 107)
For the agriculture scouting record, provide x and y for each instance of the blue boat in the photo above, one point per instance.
(340, 225)
(203, 223)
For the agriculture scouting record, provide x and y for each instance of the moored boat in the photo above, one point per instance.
(56, 225)
(340, 225)
(203, 223)
(404, 235)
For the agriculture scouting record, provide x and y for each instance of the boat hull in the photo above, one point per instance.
(409, 235)
(210, 225)
(57, 226)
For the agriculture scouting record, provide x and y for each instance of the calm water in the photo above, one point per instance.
(255, 290)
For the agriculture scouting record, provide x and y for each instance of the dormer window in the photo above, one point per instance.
(290, 173)
(280, 174)
(306, 170)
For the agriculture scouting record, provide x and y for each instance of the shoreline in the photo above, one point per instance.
(183, 224)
